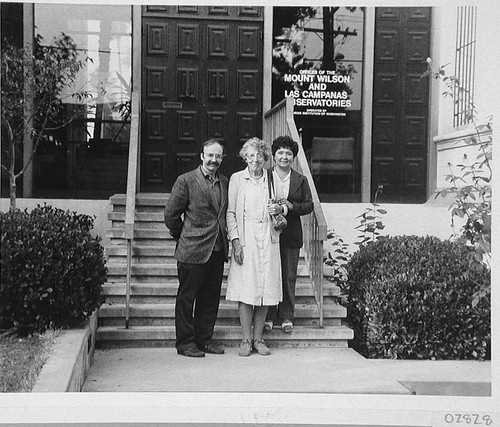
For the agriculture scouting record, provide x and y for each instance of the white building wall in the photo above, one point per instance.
(487, 59)
(99, 208)
(429, 219)
(443, 53)
(447, 142)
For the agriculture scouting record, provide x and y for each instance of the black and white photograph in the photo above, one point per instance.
(273, 213)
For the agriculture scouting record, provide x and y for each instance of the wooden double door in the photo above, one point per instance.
(201, 79)
(401, 104)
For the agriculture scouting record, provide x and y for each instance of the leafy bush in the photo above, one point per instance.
(470, 182)
(52, 269)
(370, 226)
(411, 298)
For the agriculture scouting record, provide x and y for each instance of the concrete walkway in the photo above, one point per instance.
(301, 370)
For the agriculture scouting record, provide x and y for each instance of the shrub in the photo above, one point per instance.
(470, 182)
(411, 298)
(52, 269)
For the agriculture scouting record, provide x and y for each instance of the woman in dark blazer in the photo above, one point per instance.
(294, 194)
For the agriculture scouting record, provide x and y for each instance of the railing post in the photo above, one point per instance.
(319, 258)
(127, 290)
(133, 156)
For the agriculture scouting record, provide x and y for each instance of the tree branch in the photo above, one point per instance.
(35, 146)
(66, 123)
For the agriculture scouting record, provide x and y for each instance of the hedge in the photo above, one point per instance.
(410, 297)
(52, 269)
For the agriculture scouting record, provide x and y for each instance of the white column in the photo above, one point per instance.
(267, 62)
(367, 104)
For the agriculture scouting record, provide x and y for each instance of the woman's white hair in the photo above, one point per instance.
(262, 146)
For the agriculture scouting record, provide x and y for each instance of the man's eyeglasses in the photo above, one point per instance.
(214, 156)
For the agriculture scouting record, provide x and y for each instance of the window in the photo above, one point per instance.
(318, 60)
(89, 158)
(465, 58)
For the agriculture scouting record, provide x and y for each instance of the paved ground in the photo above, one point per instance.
(304, 370)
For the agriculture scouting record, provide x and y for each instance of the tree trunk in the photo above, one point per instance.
(12, 188)
(12, 168)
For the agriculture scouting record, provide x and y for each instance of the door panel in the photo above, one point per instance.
(202, 78)
(400, 104)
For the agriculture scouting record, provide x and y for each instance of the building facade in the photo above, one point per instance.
(366, 116)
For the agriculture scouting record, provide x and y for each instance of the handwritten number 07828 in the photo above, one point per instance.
(470, 419)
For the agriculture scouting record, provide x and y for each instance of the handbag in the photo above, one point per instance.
(279, 221)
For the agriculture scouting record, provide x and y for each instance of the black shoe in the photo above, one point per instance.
(211, 348)
(190, 352)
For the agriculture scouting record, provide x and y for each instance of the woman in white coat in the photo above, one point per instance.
(254, 275)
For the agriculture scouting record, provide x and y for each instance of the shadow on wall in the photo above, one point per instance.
(448, 388)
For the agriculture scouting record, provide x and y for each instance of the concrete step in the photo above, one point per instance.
(169, 287)
(226, 309)
(229, 336)
(150, 293)
(222, 321)
(146, 270)
(153, 254)
(165, 249)
(140, 233)
(120, 248)
(162, 258)
(116, 270)
(164, 314)
(143, 218)
(141, 199)
(161, 248)
(156, 260)
(144, 202)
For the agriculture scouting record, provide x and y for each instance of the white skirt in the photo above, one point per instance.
(258, 280)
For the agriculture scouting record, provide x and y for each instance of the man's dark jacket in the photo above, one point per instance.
(196, 231)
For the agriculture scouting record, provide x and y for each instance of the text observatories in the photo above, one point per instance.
(320, 91)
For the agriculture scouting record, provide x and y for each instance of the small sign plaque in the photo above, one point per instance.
(169, 104)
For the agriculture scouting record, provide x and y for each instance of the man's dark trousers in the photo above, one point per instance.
(198, 282)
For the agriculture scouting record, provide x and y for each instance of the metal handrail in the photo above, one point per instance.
(130, 197)
(133, 157)
(279, 121)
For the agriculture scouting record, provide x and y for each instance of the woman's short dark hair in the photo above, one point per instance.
(285, 142)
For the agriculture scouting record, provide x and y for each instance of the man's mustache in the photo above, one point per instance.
(214, 163)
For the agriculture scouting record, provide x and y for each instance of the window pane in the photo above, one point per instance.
(88, 159)
(465, 57)
(318, 60)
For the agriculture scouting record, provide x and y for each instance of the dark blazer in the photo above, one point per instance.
(193, 218)
(300, 196)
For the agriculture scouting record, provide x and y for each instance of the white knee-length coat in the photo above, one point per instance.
(258, 280)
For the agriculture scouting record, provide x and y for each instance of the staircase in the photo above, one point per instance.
(154, 286)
